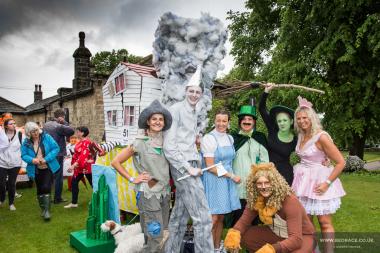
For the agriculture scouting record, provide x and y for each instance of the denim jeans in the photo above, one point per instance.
(58, 180)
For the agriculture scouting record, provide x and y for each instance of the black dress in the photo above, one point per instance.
(279, 152)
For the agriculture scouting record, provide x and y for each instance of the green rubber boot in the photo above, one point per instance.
(41, 203)
(46, 199)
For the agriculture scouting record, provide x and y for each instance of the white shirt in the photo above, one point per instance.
(10, 151)
(209, 144)
(3, 140)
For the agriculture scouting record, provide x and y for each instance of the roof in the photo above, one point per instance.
(141, 70)
(146, 61)
(8, 106)
(41, 104)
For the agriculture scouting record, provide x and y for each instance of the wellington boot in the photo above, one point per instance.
(41, 203)
(46, 199)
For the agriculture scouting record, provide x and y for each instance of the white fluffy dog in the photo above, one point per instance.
(129, 239)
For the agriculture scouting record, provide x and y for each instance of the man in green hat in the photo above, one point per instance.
(250, 147)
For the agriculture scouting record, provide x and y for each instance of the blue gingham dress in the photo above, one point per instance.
(221, 193)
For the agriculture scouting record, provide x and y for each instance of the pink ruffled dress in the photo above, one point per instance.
(309, 173)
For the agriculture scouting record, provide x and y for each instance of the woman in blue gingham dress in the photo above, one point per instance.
(221, 193)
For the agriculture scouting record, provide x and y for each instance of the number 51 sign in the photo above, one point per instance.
(125, 136)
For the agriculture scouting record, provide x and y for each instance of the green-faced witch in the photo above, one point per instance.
(281, 139)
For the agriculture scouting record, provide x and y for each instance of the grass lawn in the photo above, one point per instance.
(360, 210)
(25, 231)
(369, 156)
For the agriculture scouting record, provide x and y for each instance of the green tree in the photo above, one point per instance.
(332, 45)
(105, 61)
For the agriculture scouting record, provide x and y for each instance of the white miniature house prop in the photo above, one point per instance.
(129, 89)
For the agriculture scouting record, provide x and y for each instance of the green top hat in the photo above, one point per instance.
(248, 110)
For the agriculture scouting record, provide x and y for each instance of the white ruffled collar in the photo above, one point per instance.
(219, 134)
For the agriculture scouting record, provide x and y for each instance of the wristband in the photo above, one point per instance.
(328, 182)
(131, 179)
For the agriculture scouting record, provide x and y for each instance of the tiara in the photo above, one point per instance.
(302, 102)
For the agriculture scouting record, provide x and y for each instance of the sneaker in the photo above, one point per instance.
(12, 207)
(71, 205)
(18, 195)
(59, 201)
(222, 249)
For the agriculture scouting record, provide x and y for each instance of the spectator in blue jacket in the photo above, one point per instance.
(59, 129)
(39, 151)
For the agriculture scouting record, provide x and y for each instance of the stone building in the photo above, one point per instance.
(18, 112)
(83, 102)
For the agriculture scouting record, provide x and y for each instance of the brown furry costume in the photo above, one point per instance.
(296, 235)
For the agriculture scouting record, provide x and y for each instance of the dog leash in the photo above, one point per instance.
(129, 223)
(120, 229)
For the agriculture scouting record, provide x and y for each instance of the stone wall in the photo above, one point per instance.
(86, 110)
(37, 117)
(20, 119)
(82, 73)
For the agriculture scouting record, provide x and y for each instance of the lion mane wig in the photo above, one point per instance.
(280, 188)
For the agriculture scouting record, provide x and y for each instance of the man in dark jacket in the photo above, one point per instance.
(58, 128)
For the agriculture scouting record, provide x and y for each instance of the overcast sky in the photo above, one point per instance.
(38, 37)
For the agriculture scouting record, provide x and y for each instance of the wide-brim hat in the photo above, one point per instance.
(154, 108)
(247, 110)
(280, 108)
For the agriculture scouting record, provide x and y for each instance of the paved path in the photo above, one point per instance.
(371, 166)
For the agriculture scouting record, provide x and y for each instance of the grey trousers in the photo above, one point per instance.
(154, 218)
(191, 202)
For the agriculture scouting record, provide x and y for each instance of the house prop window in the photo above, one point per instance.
(111, 115)
(111, 89)
(119, 83)
(129, 115)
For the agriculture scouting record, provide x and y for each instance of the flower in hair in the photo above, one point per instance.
(302, 102)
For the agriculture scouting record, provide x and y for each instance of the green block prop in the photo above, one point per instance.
(93, 239)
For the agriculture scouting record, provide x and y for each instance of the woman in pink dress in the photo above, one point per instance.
(317, 186)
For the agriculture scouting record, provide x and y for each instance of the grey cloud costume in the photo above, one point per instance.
(181, 152)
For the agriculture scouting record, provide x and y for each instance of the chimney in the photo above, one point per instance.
(37, 93)
(82, 65)
(82, 36)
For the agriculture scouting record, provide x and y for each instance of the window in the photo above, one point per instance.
(67, 116)
(119, 83)
(129, 116)
(111, 89)
(111, 115)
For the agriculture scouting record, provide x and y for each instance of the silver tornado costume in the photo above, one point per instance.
(182, 154)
